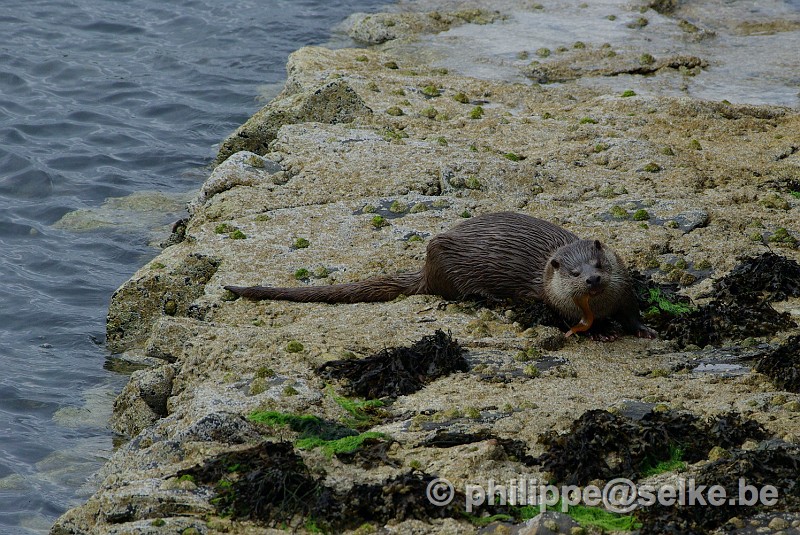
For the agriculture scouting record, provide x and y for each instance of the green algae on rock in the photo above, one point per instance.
(379, 221)
(300, 243)
(294, 346)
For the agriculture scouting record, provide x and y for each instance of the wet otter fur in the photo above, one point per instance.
(503, 255)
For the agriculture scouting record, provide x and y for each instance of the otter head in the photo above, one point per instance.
(578, 268)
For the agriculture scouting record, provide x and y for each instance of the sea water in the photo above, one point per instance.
(110, 113)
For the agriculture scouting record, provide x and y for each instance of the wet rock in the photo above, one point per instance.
(549, 523)
(778, 523)
(665, 7)
(690, 220)
(737, 522)
(143, 507)
(377, 28)
(138, 303)
(223, 427)
(240, 169)
(633, 410)
(159, 525)
(597, 62)
(548, 338)
(139, 211)
(167, 338)
(143, 401)
(333, 102)
(718, 453)
(147, 500)
(767, 27)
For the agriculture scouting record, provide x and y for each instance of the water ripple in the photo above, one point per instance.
(101, 100)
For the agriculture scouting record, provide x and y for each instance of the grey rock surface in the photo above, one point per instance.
(333, 102)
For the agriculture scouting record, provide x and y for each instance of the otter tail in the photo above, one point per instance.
(367, 291)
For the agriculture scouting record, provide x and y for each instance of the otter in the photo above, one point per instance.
(503, 255)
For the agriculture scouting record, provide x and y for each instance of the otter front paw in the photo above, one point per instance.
(586, 321)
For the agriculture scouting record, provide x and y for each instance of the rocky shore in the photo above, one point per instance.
(346, 174)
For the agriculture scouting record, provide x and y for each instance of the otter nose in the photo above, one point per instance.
(593, 281)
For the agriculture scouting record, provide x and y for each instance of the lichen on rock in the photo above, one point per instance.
(238, 170)
(377, 28)
(138, 303)
(333, 102)
(143, 401)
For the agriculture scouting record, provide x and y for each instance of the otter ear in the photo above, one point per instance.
(598, 245)
(555, 263)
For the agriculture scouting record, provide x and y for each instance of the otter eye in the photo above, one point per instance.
(598, 264)
(575, 273)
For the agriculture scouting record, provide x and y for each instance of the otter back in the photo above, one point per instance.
(500, 255)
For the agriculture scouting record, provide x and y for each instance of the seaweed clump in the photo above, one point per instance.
(602, 445)
(397, 499)
(782, 365)
(717, 321)
(769, 276)
(660, 303)
(741, 307)
(537, 313)
(399, 371)
(268, 483)
(775, 463)
(373, 452)
(305, 425)
(514, 449)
